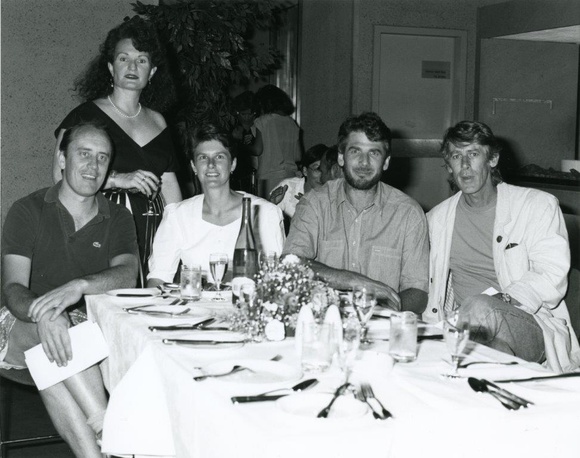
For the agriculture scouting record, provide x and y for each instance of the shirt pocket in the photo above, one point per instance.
(384, 264)
(517, 262)
(331, 253)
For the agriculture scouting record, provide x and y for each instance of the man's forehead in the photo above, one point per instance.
(86, 137)
(466, 147)
(360, 138)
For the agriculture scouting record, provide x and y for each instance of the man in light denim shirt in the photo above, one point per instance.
(359, 231)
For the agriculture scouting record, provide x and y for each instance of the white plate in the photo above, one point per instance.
(135, 293)
(310, 404)
(261, 371)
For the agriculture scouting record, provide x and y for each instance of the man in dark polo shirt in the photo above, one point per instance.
(59, 244)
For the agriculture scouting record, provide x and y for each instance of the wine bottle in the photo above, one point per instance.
(245, 254)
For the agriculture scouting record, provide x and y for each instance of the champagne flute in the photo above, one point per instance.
(150, 199)
(348, 347)
(456, 333)
(218, 265)
(364, 302)
(268, 261)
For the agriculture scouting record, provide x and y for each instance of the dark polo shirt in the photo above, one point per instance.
(40, 228)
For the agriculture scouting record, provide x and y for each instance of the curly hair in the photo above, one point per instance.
(271, 99)
(370, 124)
(95, 81)
(473, 132)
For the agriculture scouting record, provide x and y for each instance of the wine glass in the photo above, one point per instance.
(150, 199)
(456, 333)
(218, 265)
(348, 347)
(364, 302)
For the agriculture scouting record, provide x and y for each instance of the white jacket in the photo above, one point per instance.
(534, 272)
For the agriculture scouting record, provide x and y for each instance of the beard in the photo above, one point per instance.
(362, 184)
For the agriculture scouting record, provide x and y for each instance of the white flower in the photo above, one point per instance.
(290, 259)
(271, 306)
(275, 330)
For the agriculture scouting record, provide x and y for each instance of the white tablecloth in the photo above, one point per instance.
(156, 408)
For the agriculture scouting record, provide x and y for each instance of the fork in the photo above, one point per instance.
(368, 393)
(156, 312)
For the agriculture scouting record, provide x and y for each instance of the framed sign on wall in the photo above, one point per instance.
(419, 85)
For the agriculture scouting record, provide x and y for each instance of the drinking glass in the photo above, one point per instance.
(190, 284)
(403, 337)
(317, 347)
(456, 333)
(268, 260)
(364, 302)
(218, 265)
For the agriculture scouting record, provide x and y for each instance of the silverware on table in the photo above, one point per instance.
(508, 363)
(539, 377)
(272, 397)
(375, 405)
(480, 387)
(142, 311)
(339, 391)
(235, 369)
(183, 327)
(200, 342)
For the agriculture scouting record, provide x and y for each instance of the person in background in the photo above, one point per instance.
(125, 87)
(357, 230)
(277, 143)
(59, 244)
(512, 239)
(210, 222)
(244, 108)
(330, 169)
(289, 191)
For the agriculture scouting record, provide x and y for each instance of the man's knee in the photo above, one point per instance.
(478, 308)
(23, 336)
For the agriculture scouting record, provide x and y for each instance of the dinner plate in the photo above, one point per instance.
(261, 371)
(310, 404)
(135, 293)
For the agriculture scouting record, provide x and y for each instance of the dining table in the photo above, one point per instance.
(158, 408)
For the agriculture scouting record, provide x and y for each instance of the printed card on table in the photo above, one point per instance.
(88, 347)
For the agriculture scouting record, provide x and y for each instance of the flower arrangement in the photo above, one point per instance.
(281, 291)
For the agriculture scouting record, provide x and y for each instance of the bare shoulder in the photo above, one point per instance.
(155, 117)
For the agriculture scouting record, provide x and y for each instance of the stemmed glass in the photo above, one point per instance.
(268, 261)
(150, 199)
(218, 265)
(348, 347)
(364, 302)
(456, 333)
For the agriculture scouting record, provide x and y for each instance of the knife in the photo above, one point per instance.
(272, 397)
(508, 394)
(419, 338)
(200, 342)
(181, 327)
(134, 295)
(541, 377)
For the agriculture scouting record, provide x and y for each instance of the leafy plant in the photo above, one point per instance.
(209, 40)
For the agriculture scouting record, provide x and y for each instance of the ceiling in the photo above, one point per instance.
(570, 34)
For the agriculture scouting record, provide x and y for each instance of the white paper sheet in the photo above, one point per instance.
(88, 347)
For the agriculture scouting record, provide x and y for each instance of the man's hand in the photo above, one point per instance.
(388, 297)
(55, 339)
(278, 194)
(57, 300)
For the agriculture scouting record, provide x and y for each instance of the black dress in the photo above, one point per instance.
(157, 156)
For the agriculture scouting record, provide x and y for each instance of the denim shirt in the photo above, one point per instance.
(387, 241)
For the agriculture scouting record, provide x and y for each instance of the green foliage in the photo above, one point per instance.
(211, 52)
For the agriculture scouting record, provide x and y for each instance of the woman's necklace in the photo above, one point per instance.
(121, 113)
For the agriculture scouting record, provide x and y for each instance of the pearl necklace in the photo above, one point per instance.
(121, 113)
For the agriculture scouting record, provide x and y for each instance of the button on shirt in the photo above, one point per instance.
(387, 241)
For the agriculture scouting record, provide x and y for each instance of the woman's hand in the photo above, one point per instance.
(142, 180)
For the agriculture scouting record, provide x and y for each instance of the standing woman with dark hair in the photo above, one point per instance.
(124, 87)
(277, 141)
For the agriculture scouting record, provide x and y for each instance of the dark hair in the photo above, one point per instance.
(95, 81)
(208, 132)
(313, 154)
(271, 99)
(370, 124)
(331, 156)
(70, 134)
(243, 101)
(473, 132)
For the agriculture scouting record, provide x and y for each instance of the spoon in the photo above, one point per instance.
(481, 387)
(265, 396)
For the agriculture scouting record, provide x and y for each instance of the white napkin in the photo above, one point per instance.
(305, 318)
(332, 318)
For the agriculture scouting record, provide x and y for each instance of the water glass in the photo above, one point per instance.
(268, 261)
(403, 337)
(317, 348)
(190, 284)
